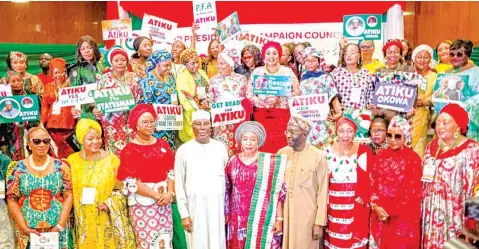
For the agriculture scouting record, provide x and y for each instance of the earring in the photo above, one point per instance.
(456, 135)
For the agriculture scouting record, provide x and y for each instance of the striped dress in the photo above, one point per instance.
(348, 220)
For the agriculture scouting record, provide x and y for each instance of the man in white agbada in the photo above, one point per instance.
(200, 186)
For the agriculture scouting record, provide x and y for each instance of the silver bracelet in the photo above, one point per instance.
(60, 228)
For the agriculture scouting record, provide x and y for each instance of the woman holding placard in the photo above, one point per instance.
(58, 120)
(12, 134)
(39, 192)
(210, 64)
(393, 52)
(85, 71)
(115, 125)
(148, 180)
(228, 85)
(270, 110)
(159, 87)
(192, 85)
(354, 83)
(315, 81)
(422, 56)
(101, 215)
(461, 51)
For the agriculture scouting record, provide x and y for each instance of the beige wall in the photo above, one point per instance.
(65, 22)
(432, 22)
(50, 22)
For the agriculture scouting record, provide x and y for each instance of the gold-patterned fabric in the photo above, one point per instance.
(100, 229)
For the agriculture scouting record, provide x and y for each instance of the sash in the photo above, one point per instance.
(262, 214)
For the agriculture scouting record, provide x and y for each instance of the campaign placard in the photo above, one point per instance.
(227, 112)
(76, 95)
(394, 97)
(116, 29)
(5, 90)
(450, 88)
(204, 14)
(275, 85)
(170, 117)
(228, 28)
(48, 240)
(159, 29)
(362, 118)
(362, 27)
(19, 109)
(113, 99)
(314, 107)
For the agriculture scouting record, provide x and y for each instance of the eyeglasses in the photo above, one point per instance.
(396, 136)
(38, 141)
(246, 58)
(366, 47)
(378, 131)
(291, 133)
(351, 53)
(456, 54)
(148, 122)
(310, 61)
(394, 40)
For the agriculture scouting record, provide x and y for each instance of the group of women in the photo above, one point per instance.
(121, 199)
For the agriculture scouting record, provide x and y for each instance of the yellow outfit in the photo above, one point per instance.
(100, 229)
(442, 68)
(186, 83)
(211, 68)
(373, 66)
(422, 117)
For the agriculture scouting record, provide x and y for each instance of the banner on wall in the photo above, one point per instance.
(116, 29)
(159, 29)
(204, 14)
(362, 27)
(323, 36)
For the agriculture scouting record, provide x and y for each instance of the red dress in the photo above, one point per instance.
(443, 199)
(392, 171)
(348, 220)
(240, 183)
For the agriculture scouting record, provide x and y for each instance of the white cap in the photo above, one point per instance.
(197, 115)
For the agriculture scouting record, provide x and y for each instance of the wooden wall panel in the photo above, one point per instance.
(51, 22)
(435, 21)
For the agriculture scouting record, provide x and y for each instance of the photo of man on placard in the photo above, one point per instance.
(355, 26)
(9, 111)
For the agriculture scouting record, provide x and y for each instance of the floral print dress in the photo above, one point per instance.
(153, 91)
(226, 88)
(40, 198)
(322, 132)
(115, 125)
